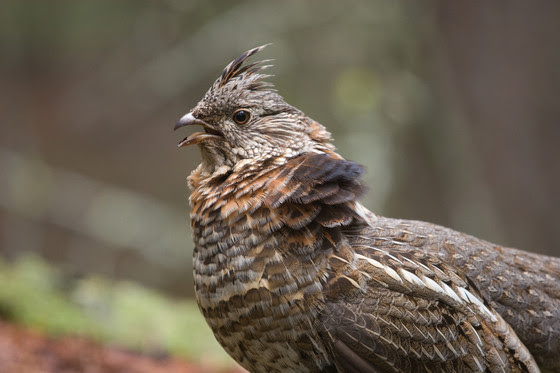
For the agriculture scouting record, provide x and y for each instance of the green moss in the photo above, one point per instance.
(30, 296)
(123, 313)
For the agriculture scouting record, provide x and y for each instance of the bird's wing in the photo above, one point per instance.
(400, 311)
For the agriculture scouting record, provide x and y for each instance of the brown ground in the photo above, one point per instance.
(27, 351)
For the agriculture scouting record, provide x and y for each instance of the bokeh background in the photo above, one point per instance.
(453, 107)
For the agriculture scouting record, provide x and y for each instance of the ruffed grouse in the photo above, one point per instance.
(292, 273)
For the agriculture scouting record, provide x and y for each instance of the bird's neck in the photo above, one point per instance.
(284, 212)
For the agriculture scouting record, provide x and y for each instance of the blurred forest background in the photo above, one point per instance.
(453, 107)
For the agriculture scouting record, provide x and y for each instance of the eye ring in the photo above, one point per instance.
(241, 116)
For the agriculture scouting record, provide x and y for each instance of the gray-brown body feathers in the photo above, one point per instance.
(293, 274)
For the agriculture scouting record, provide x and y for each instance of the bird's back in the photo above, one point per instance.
(523, 287)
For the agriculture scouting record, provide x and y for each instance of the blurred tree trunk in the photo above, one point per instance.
(503, 71)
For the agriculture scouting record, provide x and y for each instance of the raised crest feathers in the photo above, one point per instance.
(236, 68)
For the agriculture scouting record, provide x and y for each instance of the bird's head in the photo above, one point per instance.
(244, 118)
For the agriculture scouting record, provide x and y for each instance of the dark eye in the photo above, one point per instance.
(241, 116)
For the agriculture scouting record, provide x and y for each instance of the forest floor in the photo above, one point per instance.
(53, 322)
(23, 350)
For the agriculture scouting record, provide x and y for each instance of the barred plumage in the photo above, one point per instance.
(292, 273)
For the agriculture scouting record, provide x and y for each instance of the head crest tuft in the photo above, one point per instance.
(236, 69)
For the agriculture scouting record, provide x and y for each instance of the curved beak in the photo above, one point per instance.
(197, 137)
(186, 120)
